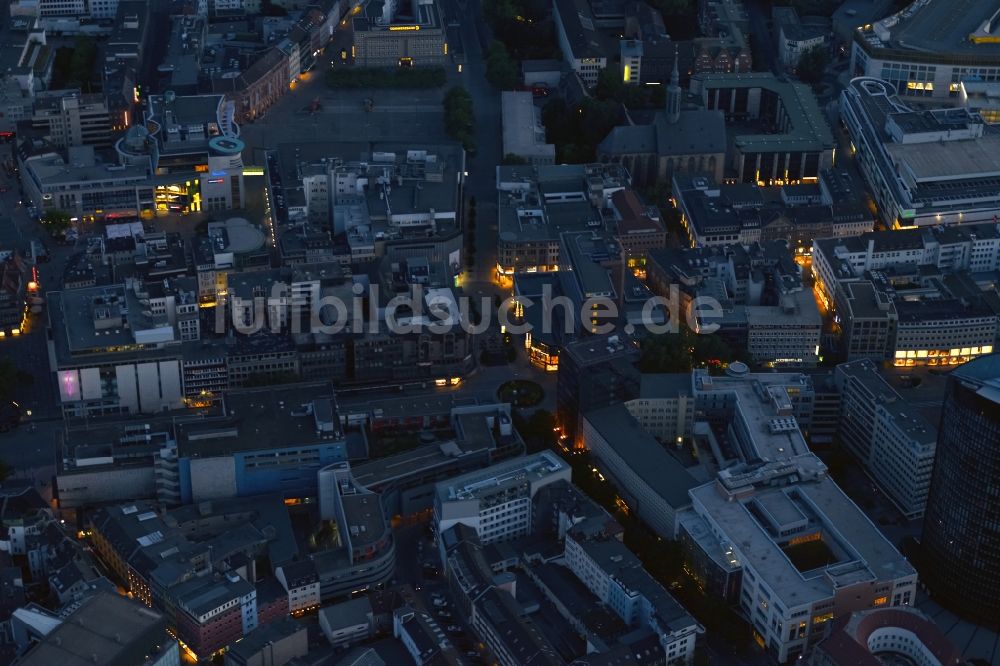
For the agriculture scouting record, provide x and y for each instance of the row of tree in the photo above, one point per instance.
(470, 235)
(459, 119)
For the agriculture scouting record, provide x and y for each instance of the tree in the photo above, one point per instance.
(56, 221)
(669, 352)
(684, 350)
(500, 68)
(610, 84)
(459, 119)
(812, 65)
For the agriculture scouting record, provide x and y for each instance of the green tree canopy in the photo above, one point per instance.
(56, 221)
(682, 351)
(501, 70)
(459, 119)
(812, 65)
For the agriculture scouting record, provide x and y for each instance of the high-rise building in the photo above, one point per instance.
(594, 372)
(962, 523)
(891, 438)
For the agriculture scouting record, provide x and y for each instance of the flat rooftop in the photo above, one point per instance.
(523, 134)
(861, 552)
(807, 129)
(959, 27)
(511, 473)
(264, 418)
(762, 400)
(643, 454)
(105, 629)
(624, 566)
(364, 517)
(949, 160)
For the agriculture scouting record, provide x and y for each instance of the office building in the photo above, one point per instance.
(96, 334)
(923, 167)
(793, 143)
(664, 407)
(252, 89)
(538, 203)
(70, 118)
(584, 48)
(761, 303)
(616, 577)
(959, 543)
(490, 605)
(868, 637)
(78, 182)
(496, 501)
(183, 157)
(716, 213)
(483, 435)
(594, 372)
(106, 629)
(638, 229)
(653, 483)
(929, 47)
(794, 36)
(270, 644)
(912, 297)
(893, 440)
(197, 562)
(400, 34)
(210, 614)
(523, 132)
(348, 622)
(973, 247)
(362, 557)
(375, 199)
(115, 463)
(806, 553)
(647, 51)
(753, 418)
(981, 98)
(271, 440)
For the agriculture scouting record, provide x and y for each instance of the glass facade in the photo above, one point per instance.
(962, 524)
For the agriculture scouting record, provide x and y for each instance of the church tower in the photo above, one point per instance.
(674, 93)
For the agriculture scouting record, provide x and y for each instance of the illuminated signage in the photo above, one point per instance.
(201, 168)
(216, 181)
(398, 28)
(218, 174)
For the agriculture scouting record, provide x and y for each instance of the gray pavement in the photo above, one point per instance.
(975, 641)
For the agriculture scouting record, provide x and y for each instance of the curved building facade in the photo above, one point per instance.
(962, 523)
(930, 47)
